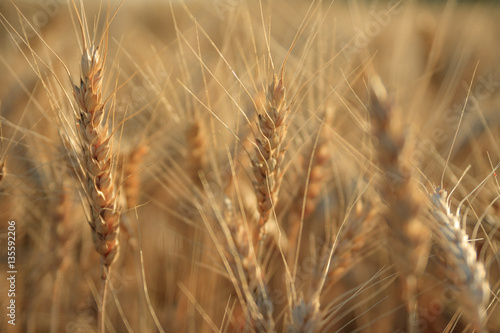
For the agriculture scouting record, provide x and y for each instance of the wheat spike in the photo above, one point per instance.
(270, 150)
(97, 156)
(409, 237)
(248, 271)
(460, 260)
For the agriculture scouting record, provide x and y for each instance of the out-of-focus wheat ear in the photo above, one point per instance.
(131, 174)
(2, 152)
(248, 272)
(408, 237)
(307, 197)
(305, 317)
(459, 261)
(270, 150)
(66, 238)
(354, 242)
(196, 150)
(2, 169)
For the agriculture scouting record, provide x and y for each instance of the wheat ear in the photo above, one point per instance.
(409, 237)
(66, 238)
(196, 144)
(272, 128)
(353, 242)
(97, 156)
(308, 196)
(305, 317)
(248, 272)
(460, 261)
(2, 169)
(397, 188)
(97, 163)
(131, 176)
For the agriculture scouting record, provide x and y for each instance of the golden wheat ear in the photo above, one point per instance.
(96, 159)
(95, 143)
(270, 150)
(459, 261)
(249, 274)
(129, 169)
(408, 237)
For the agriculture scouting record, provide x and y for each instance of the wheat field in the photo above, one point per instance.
(249, 166)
